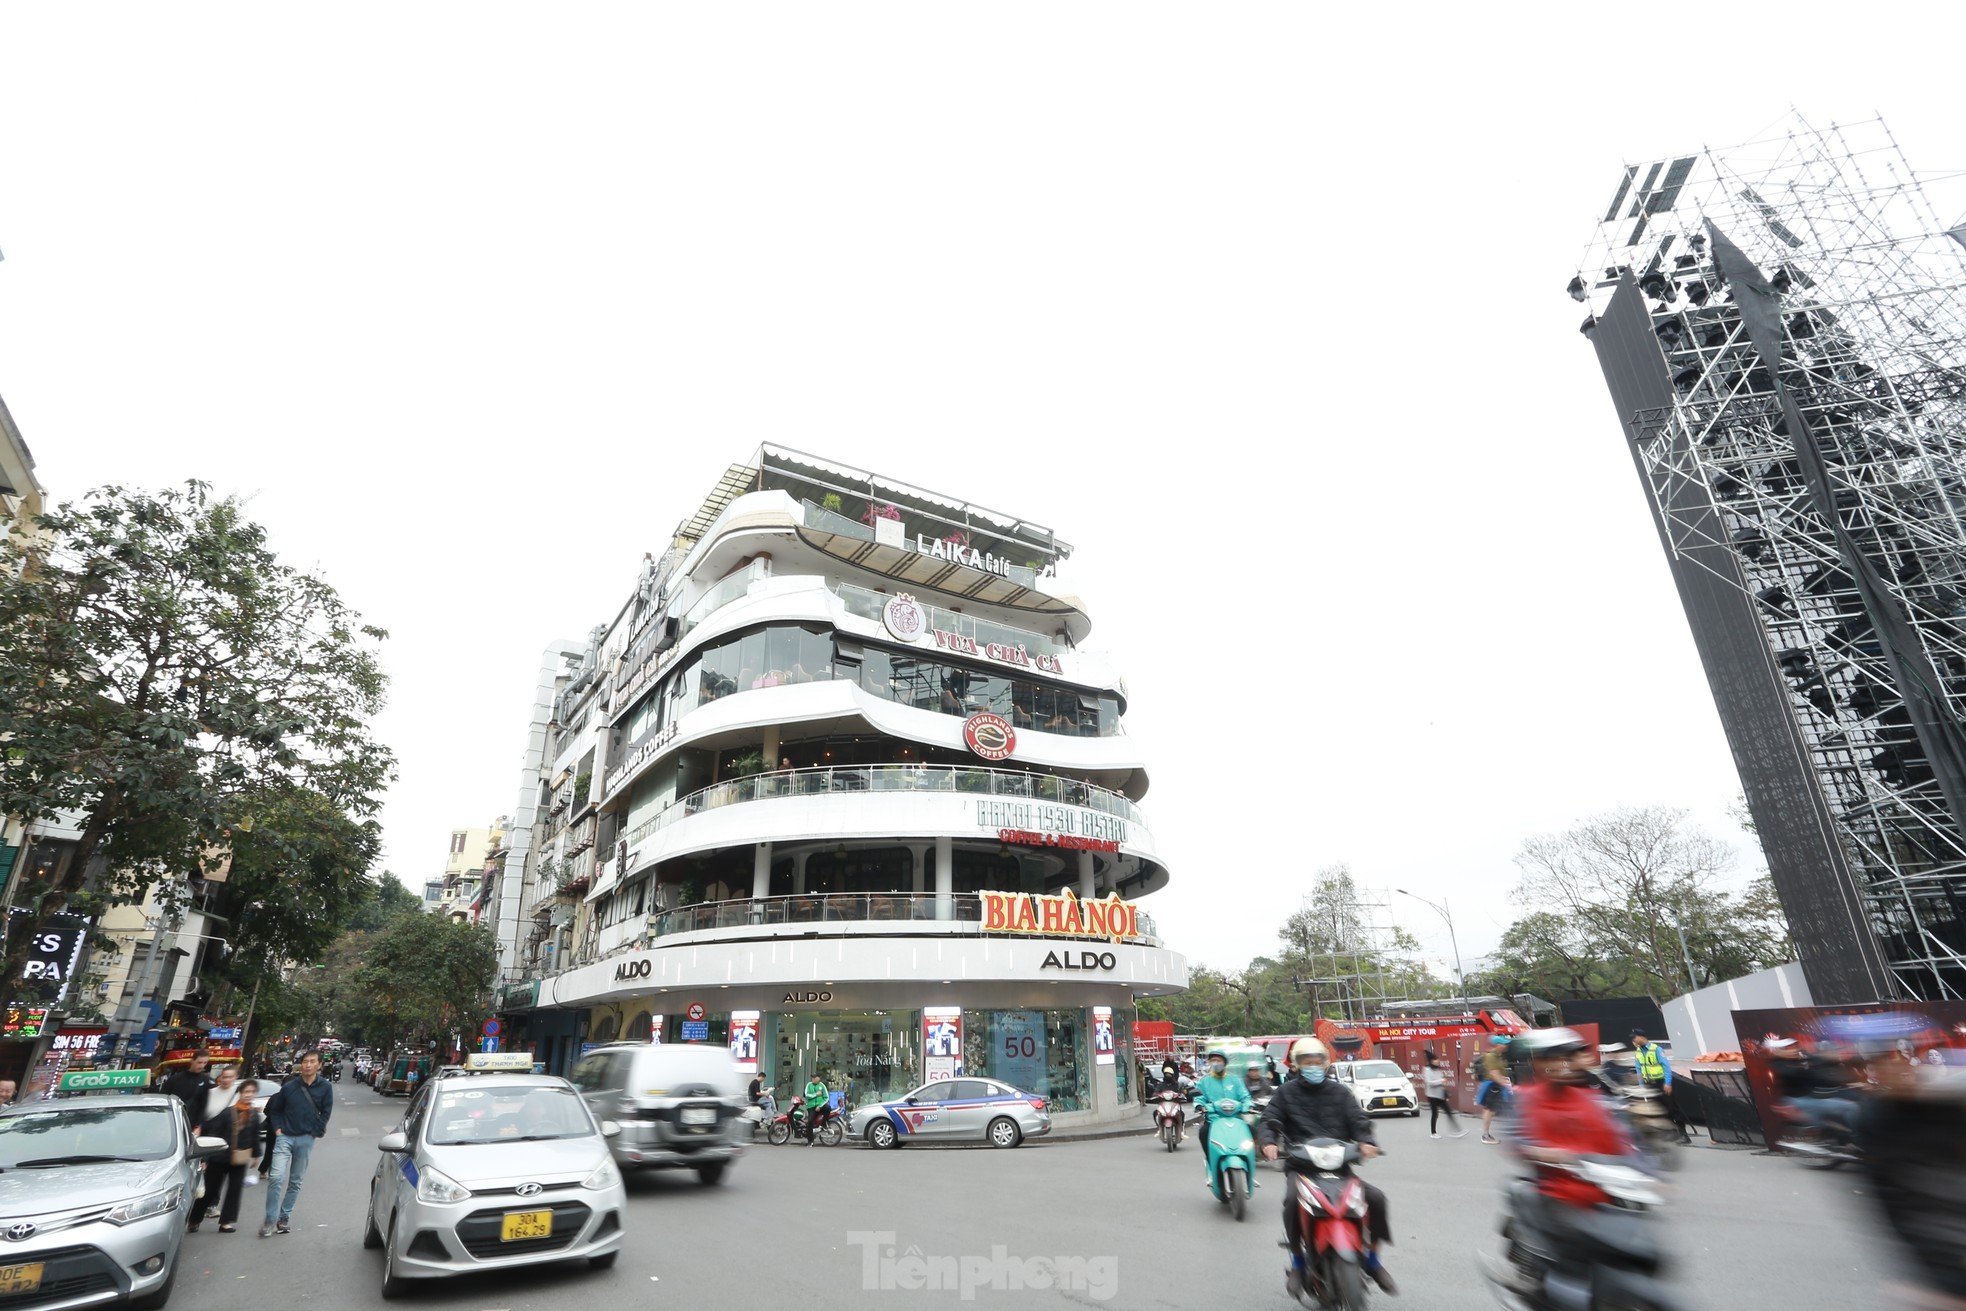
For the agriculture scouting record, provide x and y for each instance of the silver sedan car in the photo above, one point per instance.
(490, 1171)
(954, 1110)
(93, 1199)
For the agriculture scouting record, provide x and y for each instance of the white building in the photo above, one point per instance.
(840, 785)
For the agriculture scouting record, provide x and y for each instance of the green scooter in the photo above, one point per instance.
(1231, 1155)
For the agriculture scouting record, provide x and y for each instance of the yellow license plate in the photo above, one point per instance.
(521, 1225)
(1389, 1101)
(16, 1279)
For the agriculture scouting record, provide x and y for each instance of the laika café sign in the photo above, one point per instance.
(963, 555)
(1063, 916)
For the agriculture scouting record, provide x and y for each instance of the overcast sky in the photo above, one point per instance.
(1260, 306)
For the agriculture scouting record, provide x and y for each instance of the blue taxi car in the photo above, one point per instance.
(953, 1110)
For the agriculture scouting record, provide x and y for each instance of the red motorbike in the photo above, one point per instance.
(1332, 1231)
(1169, 1116)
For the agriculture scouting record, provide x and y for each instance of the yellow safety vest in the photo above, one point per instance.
(1650, 1067)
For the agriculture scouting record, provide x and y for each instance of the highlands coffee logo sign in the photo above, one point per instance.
(989, 736)
(1079, 960)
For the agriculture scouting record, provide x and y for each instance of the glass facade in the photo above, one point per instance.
(803, 653)
(1047, 1052)
(871, 1056)
(876, 1055)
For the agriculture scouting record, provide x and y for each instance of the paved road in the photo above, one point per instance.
(793, 1226)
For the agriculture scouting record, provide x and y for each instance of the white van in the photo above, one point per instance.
(679, 1106)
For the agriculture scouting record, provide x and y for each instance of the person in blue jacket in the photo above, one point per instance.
(297, 1115)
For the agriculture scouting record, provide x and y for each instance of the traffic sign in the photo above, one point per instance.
(103, 1081)
(695, 1011)
(490, 1044)
(493, 1028)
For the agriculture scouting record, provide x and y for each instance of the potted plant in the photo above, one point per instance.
(957, 537)
(747, 764)
(878, 510)
(830, 501)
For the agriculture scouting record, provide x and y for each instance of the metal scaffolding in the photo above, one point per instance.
(1847, 534)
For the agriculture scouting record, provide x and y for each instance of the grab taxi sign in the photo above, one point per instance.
(104, 1081)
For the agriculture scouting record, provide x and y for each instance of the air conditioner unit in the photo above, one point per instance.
(667, 632)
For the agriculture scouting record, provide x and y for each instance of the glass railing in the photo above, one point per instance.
(829, 908)
(823, 520)
(865, 603)
(890, 778)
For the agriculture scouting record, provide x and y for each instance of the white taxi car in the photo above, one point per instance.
(494, 1170)
(1382, 1087)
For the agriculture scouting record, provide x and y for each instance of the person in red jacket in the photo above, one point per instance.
(1560, 1117)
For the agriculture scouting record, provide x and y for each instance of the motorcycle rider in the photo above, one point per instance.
(1557, 1119)
(1216, 1086)
(1311, 1104)
(817, 1097)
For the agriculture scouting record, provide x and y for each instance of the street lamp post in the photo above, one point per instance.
(1460, 974)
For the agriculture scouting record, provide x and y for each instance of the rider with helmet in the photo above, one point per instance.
(1561, 1117)
(1215, 1087)
(1311, 1104)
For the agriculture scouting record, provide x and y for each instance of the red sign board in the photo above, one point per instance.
(695, 1011)
(989, 736)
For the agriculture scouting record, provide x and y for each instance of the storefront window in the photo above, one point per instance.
(870, 1055)
(1043, 1052)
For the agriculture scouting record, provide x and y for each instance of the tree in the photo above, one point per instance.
(384, 900)
(1622, 903)
(163, 674)
(423, 976)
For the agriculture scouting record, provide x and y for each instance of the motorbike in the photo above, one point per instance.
(334, 1072)
(1595, 1260)
(1822, 1144)
(1646, 1116)
(830, 1132)
(1168, 1117)
(1231, 1154)
(1330, 1216)
(761, 1116)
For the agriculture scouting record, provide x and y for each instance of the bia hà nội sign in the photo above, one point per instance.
(1062, 916)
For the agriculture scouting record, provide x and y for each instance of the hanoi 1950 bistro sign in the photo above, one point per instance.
(1042, 823)
(1063, 916)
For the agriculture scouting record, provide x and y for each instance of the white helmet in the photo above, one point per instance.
(1305, 1048)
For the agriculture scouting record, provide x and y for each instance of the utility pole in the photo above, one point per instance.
(161, 945)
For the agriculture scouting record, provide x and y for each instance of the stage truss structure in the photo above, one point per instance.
(1872, 296)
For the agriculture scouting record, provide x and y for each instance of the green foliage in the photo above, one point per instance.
(423, 976)
(831, 501)
(383, 900)
(163, 674)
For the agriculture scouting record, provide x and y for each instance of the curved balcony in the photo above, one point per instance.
(834, 915)
(889, 778)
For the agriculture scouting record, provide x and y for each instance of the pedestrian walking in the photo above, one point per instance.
(1495, 1085)
(240, 1123)
(298, 1114)
(190, 1085)
(1434, 1079)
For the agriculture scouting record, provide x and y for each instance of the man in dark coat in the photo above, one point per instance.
(1311, 1104)
(190, 1085)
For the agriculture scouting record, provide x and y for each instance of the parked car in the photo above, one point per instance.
(953, 1110)
(679, 1107)
(493, 1171)
(1381, 1087)
(95, 1193)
